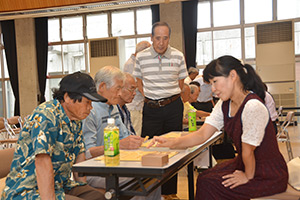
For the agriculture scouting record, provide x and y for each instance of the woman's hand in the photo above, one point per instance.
(161, 142)
(235, 179)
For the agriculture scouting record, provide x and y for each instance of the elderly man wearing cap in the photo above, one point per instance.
(51, 142)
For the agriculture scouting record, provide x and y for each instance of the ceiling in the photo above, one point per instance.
(33, 10)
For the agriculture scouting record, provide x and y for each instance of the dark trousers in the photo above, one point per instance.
(158, 121)
(84, 192)
(205, 106)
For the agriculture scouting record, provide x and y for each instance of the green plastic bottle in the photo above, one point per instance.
(192, 119)
(111, 143)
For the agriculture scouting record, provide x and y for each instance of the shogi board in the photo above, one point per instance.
(168, 135)
(137, 155)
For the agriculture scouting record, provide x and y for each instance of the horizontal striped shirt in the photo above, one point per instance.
(160, 73)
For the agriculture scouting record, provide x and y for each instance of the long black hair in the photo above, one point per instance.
(223, 66)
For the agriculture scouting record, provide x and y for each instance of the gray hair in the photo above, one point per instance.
(193, 70)
(160, 24)
(108, 74)
(193, 88)
(141, 46)
(127, 76)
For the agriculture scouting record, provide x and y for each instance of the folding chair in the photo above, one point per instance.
(283, 134)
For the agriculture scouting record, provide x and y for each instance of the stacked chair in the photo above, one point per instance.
(9, 131)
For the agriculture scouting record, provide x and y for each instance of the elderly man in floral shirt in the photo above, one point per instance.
(51, 142)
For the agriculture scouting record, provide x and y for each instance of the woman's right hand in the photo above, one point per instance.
(160, 141)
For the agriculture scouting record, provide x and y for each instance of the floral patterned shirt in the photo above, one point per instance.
(47, 131)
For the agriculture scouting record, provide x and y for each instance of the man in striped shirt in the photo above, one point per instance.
(160, 71)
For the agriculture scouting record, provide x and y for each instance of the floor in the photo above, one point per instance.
(294, 132)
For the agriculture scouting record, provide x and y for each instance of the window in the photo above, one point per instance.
(204, 48)
(54, 59)
(72, 28)
(53, 30)
(97, 25)
(227, 42)
(203, 20)
(7, 99)
(130, 45)
(297, 37)
(123, 23)
(249, 43)
(288, 9)
(144, 21)
(226, 12)
(68, 50)
(258, 11)
(74, 59)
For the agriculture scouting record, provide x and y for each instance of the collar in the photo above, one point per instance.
(154, 54)
(64, 116)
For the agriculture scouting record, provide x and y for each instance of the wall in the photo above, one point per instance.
(172, 14)
(27, 65)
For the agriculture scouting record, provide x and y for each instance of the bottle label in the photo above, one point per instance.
(111, 143)
(192, 121)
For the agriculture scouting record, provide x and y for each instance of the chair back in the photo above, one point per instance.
(288, 119)
(6, 156)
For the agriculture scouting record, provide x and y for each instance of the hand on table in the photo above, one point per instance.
(131, 142)
(235, 179)
(161, 142)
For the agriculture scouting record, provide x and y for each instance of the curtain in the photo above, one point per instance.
(189, 21)
(9, 39)
(41, 37)
(155, 13)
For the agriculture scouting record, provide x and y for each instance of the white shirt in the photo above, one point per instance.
(138, 100)
(205, 94)
(255, 118)
(270, 103)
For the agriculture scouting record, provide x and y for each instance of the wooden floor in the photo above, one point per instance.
(294, 132)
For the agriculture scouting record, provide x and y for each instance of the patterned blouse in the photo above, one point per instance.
(47, 131)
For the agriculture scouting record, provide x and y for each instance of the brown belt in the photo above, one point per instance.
(161, 102)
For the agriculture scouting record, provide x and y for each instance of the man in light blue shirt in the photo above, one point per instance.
(109, 82)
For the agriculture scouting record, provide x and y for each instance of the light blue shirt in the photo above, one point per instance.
(94, 124)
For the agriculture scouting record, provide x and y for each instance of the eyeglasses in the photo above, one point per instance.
(130, 89)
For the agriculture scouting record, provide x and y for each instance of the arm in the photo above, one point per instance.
(190, 140)
(239, 177)
(181, 82)
(131, 142)
(90, 130)
(201, 113)
(139, 83)
(248, 160)
(96, 151)
(45, 176)
(80, 158)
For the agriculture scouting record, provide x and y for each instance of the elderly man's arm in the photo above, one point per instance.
(45, 176)
(80, 158)
(181, 82)
(139, 83)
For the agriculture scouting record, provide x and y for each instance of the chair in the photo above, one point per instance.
(279, 113)
(283, 134)
(6, 156)
(289, 194)
(9, 132)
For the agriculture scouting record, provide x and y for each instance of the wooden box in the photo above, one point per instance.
(155, 159)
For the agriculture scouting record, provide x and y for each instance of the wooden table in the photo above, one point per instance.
(145, 179)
